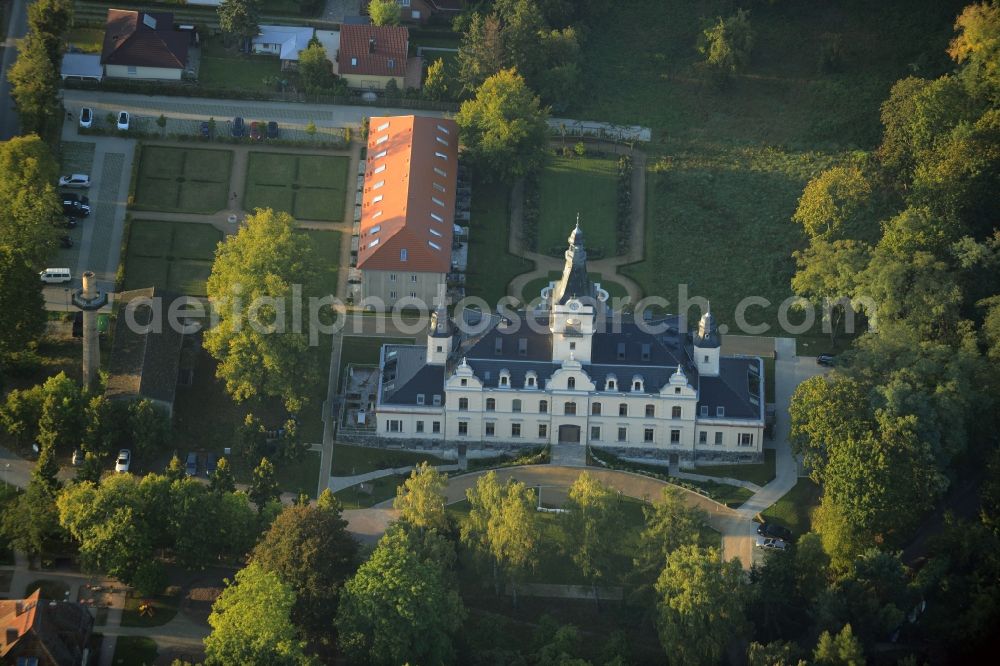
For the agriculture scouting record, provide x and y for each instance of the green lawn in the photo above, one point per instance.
(175, 256)
(723, 493)
(794, 510)
(228, 68)
(382, 489)
(727, 165)
(491, 267)
(350, 460)
(309, 187)
(183, 180)
(587, 186)
(301, 476)
(364, 350)
(534, 288)
(164, 610)
(326, 244)
(135, 651)
(761, 474)
(87, 40)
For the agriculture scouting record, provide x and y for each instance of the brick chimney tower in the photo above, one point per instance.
(90, 300)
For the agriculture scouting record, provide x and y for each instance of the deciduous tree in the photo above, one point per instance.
(315, 71)
(592, 524)
(34, 81)
(834, 203)
(420, 499)
(263, 484)
(840, 650)
(255, 278)
(726, 44)
(504, 128)
(384, 12)
(252, 622)
(239, 18)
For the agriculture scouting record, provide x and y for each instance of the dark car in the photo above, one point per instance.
(255, 131)
(205, 129)
(239, 127)
(826, 360)
(65, 241)
(211, 463)
(272, 130)
(75, 205)
(774, 531)
(68, 223)
(191, 468)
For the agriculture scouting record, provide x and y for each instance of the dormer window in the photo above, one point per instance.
(571, 383)
(530, 380)
(420, 398)
(637, 384)
(703, 410)
(720, 412)
(403, 255)
(437, 399)
(354, 62)
(611, 384)
(504, 379)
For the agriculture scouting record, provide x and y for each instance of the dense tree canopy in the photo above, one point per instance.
(239, 18)
(253, 286)
(420, 499)
(384, 12)
(504, 127)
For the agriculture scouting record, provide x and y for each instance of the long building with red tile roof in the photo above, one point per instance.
(407, 208)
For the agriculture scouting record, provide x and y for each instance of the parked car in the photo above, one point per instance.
(205, 129)
(124, 461)
(239, 127)
(211, 464)
(255, 134)
(86, 117)
(191, 468)
(65, 241)
(774, 531)
(771, 544)
(826, 360)
(123, 120)
(77, 457)
(55, 275)
(75, 206)
(75, 180)
(272, 130)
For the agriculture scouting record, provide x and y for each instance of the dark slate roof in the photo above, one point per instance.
(654, 378)
(731, 389)
(129, 40)
(406, 375)
(144, 364)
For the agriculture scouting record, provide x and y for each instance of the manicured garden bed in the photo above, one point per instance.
(163, 609)
(172, 256)
(309, 187)
(183, 180)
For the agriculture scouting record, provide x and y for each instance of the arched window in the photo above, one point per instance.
(571, 383)
(569, 409)
(491, 404)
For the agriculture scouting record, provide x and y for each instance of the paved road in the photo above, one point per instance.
(10, 124)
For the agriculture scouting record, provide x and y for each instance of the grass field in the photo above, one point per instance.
(761, 474)
(309, 187)
(87, 40)
(164, 610)
(381, 489)
(491, 267)
(175, 256)
(571, 185)
(135, 651)
(183, 180)
(327, 247)
(728, 164)
(350, 460)
(794, 510)
(227, 68)
(364, 350)
(534, 288)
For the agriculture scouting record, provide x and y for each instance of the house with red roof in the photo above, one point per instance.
(143, 45)
(407, 209)
(45, 633)
(372, 55)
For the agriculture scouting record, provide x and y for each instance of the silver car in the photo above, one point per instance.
(75, 180)
(768, 543)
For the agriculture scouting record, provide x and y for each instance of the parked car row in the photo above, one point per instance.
(122, 119)
(193, 464)
(771, 536)
(258, 129)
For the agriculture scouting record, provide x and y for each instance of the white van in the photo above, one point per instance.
(55, 275)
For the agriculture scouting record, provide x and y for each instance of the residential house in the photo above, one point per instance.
(370, 56)
(41, 632)
(284, 41)
(421, 11)
(573, 372)
(144, 45)
(407, 209)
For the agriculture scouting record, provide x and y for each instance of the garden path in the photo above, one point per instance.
(608, 267)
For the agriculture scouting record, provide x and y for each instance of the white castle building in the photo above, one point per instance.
(575, 372)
